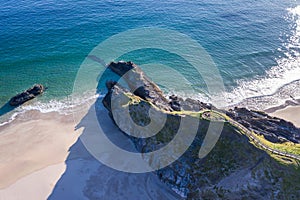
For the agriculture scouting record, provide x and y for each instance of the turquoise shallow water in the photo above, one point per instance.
(255, 45)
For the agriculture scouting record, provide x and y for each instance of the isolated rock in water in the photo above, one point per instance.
(27, 95)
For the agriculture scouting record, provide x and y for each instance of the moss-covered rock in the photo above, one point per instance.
(238, 167)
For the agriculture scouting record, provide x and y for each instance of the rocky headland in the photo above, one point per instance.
(256, 157)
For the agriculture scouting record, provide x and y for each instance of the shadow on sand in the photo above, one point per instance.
(86, 178)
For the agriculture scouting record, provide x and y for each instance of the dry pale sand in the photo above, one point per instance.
(35, 162)
(290, 113)
(32, 143)
(37, 185)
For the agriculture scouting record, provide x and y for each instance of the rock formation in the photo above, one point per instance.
(27, 95)
(256, 156)
(273, 129)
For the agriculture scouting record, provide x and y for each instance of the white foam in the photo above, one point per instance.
(63, 106)
(286, 71)
(11, 118)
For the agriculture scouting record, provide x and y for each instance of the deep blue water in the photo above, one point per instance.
(255, 44)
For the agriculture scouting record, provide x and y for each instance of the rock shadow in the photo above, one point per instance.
(6, 108)
(86, 178)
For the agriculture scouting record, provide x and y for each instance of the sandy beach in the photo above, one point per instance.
(290, 113)
(42, 157)
(34, 143)
(35, 151)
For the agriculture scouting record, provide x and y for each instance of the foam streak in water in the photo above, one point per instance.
(278, 77)
(64, 106)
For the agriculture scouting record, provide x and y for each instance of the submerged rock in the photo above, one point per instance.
(27, 95)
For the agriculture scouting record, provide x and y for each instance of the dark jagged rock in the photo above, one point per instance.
(273, 129)
(195, 105)
(174, 103)
(234, 169)
(140, 84)
(27, 95)
(110, 84)
(112, 87)
(148, 90)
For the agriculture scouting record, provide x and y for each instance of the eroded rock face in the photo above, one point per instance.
(273, 129)
(27, 95)
(140, 84)
(234, 169)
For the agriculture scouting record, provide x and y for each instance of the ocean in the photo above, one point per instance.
(254, 44)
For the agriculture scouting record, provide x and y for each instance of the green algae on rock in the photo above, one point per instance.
(252, 158)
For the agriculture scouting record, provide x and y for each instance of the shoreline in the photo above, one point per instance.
(288, 103)
(41, 158)
(36, 145)
(289, 113)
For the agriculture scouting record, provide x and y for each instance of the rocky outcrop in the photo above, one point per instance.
(236, 168)
(27, 95)
(143, 87)
(273, 129)
(140, 84)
